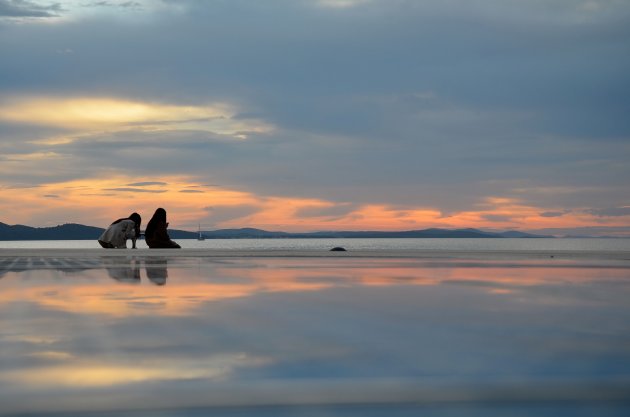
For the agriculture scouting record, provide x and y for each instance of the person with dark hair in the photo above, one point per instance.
(156, 235)
(116, 235)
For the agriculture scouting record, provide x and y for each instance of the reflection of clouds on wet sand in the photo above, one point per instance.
(243, 325)
(82, 372)
(196, 281)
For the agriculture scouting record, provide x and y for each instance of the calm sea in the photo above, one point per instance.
(357, 244)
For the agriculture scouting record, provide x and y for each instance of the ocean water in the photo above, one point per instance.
(357, 244)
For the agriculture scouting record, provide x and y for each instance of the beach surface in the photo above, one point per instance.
(419, 254)
(193, 331)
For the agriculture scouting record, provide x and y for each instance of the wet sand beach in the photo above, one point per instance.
(192, 332)
(419, 254)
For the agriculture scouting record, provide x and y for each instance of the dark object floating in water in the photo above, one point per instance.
(337, 249)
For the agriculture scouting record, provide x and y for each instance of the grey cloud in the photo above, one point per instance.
(146, 183)
(51, 196)
(25, 8)
(219, 214)
(554, 213)
(611, 211)
(336, 211)
(19, 186)
(98, 194)
(134, 190)
(191, 191)
(498, 218)
(124, 5)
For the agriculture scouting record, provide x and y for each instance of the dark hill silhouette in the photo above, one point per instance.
(250, 233)
(73, 231)
(70, 231)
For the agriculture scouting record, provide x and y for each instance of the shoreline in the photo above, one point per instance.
(403, 254)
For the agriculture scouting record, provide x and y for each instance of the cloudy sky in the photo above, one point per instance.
(305, 115)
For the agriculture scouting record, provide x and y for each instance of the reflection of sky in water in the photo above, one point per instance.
(111, 332)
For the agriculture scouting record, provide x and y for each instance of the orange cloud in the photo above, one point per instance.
(502, 212)
(99, 201)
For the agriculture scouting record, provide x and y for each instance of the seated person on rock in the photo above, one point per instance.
(116, 235)
(156, 235)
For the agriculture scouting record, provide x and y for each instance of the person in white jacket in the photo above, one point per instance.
(116, 235)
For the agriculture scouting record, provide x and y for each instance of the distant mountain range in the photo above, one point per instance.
(73, 231)
(68, 231)
(249, 233)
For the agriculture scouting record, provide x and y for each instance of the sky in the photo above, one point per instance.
(305, 115)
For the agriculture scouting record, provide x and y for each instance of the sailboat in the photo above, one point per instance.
(200, 236)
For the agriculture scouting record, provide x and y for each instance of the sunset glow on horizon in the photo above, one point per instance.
(190, 204)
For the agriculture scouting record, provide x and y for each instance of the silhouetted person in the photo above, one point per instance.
(156, 235)
(116, 235)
